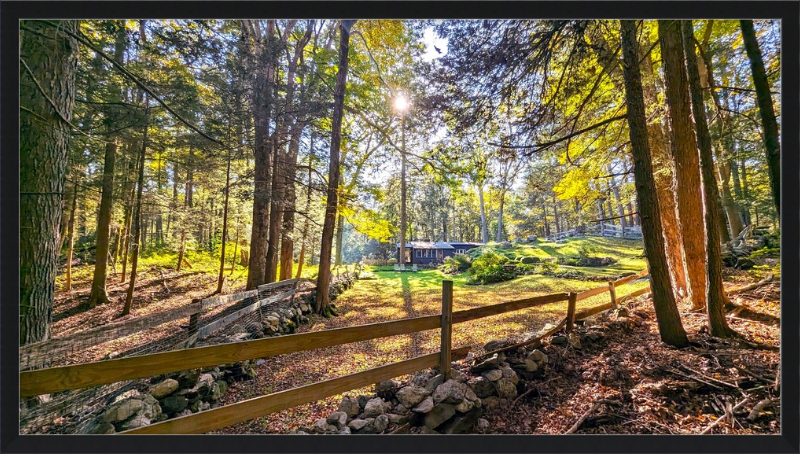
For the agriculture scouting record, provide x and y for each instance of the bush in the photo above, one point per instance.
(548, 267)
(456, 264)
(379, 262)
(525, 269)
(530, 260)
(489, 268)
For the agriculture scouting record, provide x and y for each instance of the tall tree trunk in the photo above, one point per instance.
(559, 226)
(71, 234)
(301, 259)
(322, 303)
(615, 190)
(544, 214)
(665, 184)
(137, 214)
(715, 292)
(129, 191)
(687, 161)
(768, 120)
(724, 142)
(98, 293)
(669, 321)
(737, 190)
(484, 226)
(221, 277)
(339, 240)
(499, 235)
(49, 72)
(264, 75)
(275, 212)
(403, 196)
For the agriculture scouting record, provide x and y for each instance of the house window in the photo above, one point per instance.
(418, 253)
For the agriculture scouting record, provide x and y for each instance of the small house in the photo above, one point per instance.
(431, 253)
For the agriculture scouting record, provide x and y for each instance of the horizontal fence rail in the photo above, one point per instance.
(62, 378)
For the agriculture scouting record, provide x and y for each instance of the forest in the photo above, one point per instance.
(168, 163)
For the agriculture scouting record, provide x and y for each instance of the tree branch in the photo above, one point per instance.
(544, 145)
(85, 41)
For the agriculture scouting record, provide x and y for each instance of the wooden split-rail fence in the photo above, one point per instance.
(37, 382)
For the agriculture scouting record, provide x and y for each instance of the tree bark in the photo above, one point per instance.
(264, 74)
(715, 292)
(137, 214)
(301, 259)
(221, 277)
(665, 184)
(322, 303)
(687, 161)
(484, 226)
(669, 321)
(51, 58)
(71, 234)
(98, 293)
(768, 120)
(499, 235)
(339, 239)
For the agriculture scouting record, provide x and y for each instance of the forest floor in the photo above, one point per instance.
(570, 388)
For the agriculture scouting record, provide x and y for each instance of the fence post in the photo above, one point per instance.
(613, 293)
(194, 326)
(447, 328)
(573, 302)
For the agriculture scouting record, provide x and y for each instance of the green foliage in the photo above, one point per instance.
(586, 251)
(548, 267)
(529, 260)
(764, 252)
(489, 268)
(456, 264)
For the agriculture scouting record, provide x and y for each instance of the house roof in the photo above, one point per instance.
(436, 245)
(465, 243)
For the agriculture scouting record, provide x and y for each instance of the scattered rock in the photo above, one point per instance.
(434, 382)
(559, 340)
(387, 389)
(531, 366)
(398, 419)
(350, 406)
(464, 406)
(506, 388)
(425, 406)
(481, 386)
(338, 419)
(411, 396)
(164, 388)
(509, 373)
(492, 362)
(374, 407)
(493, 375)
(173, 404)
(357, 424)
(482, 425)
(449, 392)
(381, 423)
(439, 414)
(462, 423)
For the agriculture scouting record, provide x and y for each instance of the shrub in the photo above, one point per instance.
(456, 264)
(489, 268)
(530, 260)
(548, 267)
(525, 269)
